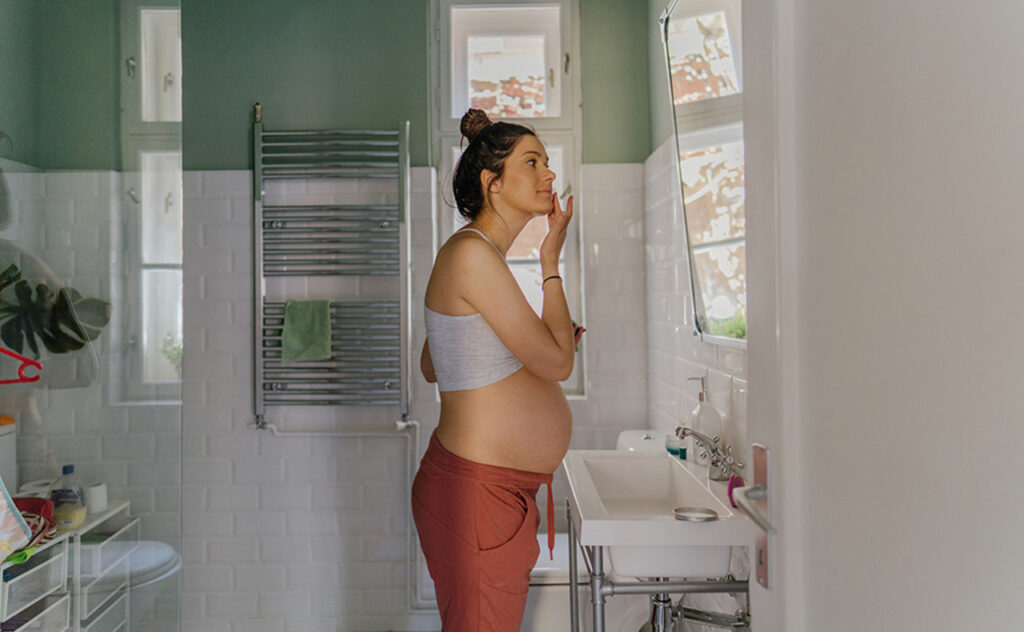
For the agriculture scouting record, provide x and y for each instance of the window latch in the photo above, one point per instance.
(130, 64)
(565, 68)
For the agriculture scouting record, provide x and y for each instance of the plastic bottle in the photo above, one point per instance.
(68, 501)
(706, 420)
(675, 446)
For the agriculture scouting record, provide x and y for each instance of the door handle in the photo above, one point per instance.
(744, 497)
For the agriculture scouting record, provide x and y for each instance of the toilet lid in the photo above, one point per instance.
(547, 571)
(150, 562)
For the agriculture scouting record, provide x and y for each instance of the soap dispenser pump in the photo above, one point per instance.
(706, 420)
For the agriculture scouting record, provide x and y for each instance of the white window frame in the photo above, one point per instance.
(137, 137)
(510, 24)
(563, 130)
(566, 71)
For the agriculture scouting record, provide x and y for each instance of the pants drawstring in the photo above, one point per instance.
(551, 522)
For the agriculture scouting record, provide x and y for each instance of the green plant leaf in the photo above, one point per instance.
(63, 321)
(8, 276)
(64, 316)
(23, 292)
(44, 295)
(66, 341)
(11, 334)
(93, 314)
(30, 338)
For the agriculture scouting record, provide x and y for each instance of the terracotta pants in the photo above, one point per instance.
(478, 529)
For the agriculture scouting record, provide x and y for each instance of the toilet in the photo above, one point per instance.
(149, 562)
(547, 603)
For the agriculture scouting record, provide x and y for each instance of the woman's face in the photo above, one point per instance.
(526, 184)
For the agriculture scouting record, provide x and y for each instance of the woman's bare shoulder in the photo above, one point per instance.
(462, 261)
(465, 249)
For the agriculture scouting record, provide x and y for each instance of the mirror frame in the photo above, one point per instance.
(696, 298)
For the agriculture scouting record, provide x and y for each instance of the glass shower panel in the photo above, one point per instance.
(71, 183)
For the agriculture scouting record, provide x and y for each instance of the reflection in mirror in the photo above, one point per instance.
(703, 58)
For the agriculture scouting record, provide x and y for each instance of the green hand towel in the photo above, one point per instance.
(307, 331)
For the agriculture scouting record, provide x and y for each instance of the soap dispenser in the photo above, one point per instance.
(706, 420)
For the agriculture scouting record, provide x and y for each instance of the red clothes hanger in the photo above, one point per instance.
(25, 363)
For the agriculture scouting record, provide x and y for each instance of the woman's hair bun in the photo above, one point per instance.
(473, 122)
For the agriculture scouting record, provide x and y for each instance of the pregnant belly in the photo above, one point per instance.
(521, 422)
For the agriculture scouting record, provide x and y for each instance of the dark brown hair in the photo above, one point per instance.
(489, 146)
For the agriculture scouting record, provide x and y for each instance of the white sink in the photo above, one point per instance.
(624, 501)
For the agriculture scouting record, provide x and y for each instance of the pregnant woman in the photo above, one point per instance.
(505, 423)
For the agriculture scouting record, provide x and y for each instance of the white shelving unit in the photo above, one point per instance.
(100, 570)
(33, 594)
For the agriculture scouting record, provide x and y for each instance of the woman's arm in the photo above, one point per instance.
(544, 345)
(426, 364)
(555, 310)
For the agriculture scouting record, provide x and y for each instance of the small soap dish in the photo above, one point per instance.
(695, 514)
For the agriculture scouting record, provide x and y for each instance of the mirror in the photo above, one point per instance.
(702, 41)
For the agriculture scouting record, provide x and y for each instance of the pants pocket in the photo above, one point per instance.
(507, 520)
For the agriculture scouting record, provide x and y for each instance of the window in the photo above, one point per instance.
(702, 41)
(159, 265)
(146, 330)
(510, 60)
(504, 61)
(161, 65)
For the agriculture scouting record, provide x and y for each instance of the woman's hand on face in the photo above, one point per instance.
(558, 228)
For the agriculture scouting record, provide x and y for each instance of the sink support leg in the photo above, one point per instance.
(596, 585)
(574, 578)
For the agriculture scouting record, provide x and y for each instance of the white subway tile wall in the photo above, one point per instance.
(282, 533)
(675, 354)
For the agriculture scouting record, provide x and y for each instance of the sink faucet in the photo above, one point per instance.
(720, 463)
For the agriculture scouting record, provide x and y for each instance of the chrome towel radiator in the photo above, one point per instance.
(369, 338)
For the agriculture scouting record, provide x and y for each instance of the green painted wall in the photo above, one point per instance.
(660, 112)
(19, 94)
(312, 64)
(59, 82)
(613, 48)
(79, 111)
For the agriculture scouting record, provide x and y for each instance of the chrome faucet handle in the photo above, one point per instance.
(731, 460)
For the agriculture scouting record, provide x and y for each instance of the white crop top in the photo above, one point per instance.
(465, 350)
